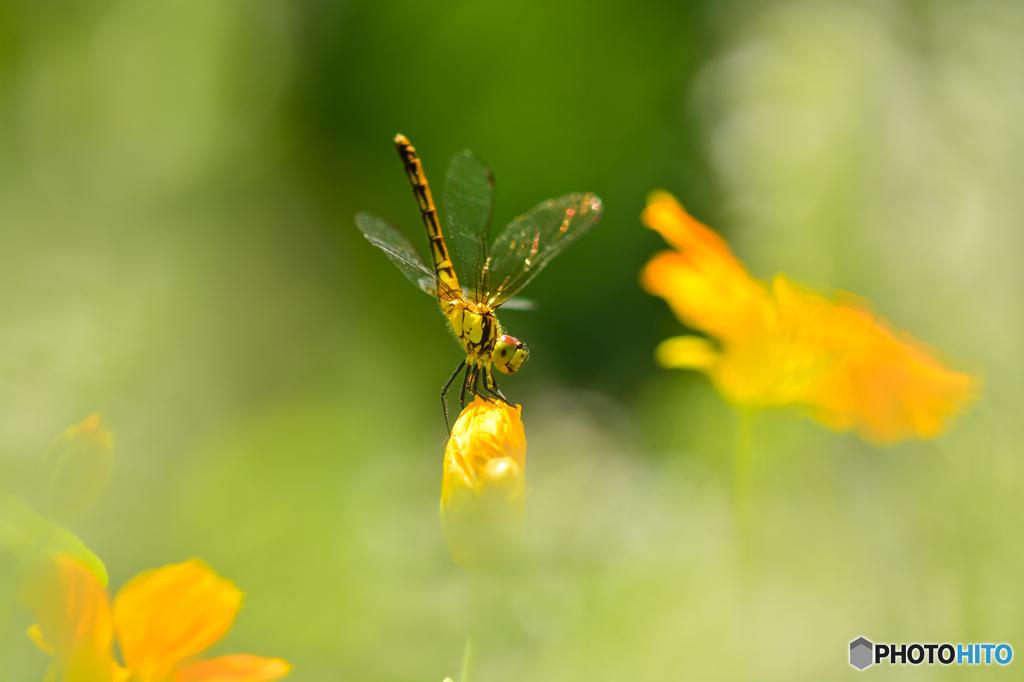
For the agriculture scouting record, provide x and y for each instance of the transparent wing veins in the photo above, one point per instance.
(403, 254)
(530, 241)
(517, 303)
(468, 205)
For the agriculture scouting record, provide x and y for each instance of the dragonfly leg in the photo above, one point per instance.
(495, 396)
(470, 375)
(485, 371)
(444, 403)
(491, 384)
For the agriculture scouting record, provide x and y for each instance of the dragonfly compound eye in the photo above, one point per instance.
(509, 354)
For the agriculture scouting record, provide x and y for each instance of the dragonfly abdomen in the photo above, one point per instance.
(425, 201)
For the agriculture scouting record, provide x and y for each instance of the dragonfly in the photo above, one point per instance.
(492, 272)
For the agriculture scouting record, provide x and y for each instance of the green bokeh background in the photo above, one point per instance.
(177, 250)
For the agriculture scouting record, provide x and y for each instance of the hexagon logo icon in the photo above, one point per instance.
(861, 653)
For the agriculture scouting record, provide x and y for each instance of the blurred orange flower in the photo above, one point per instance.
(483, 491)
(162, 617)
(790, 346)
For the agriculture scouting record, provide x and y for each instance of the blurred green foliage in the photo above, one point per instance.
(177, 187)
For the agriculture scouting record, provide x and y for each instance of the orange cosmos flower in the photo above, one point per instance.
(483, 491)
(162, 619)
(786, 345)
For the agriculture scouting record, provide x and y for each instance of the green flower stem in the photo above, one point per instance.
(468, 661)
(742, 465)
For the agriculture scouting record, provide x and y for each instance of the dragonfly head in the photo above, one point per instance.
(509, 354)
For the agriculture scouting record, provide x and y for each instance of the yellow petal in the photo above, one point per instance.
(74, 618)
(36, 635)
(483, 491)
(692, 352)
(121, 674)
(237, 668)
(165, 615)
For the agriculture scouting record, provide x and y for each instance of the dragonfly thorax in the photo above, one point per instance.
(477, 330)
(480, 333)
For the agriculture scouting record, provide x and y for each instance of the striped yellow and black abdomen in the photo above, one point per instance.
(425, 201)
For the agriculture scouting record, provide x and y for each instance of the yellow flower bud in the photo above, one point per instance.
(78, 465)
(483, 492)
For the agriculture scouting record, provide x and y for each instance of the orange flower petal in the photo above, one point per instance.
(165, 615)
(685, 233)
(791, 346)
(74, 618)
(728, 305)
(237, 668)
(886, 386)
(707, 288)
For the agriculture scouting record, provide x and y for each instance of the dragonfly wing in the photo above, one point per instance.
(468, 202)
(533, 239)
(518, 303)
(402, 253)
